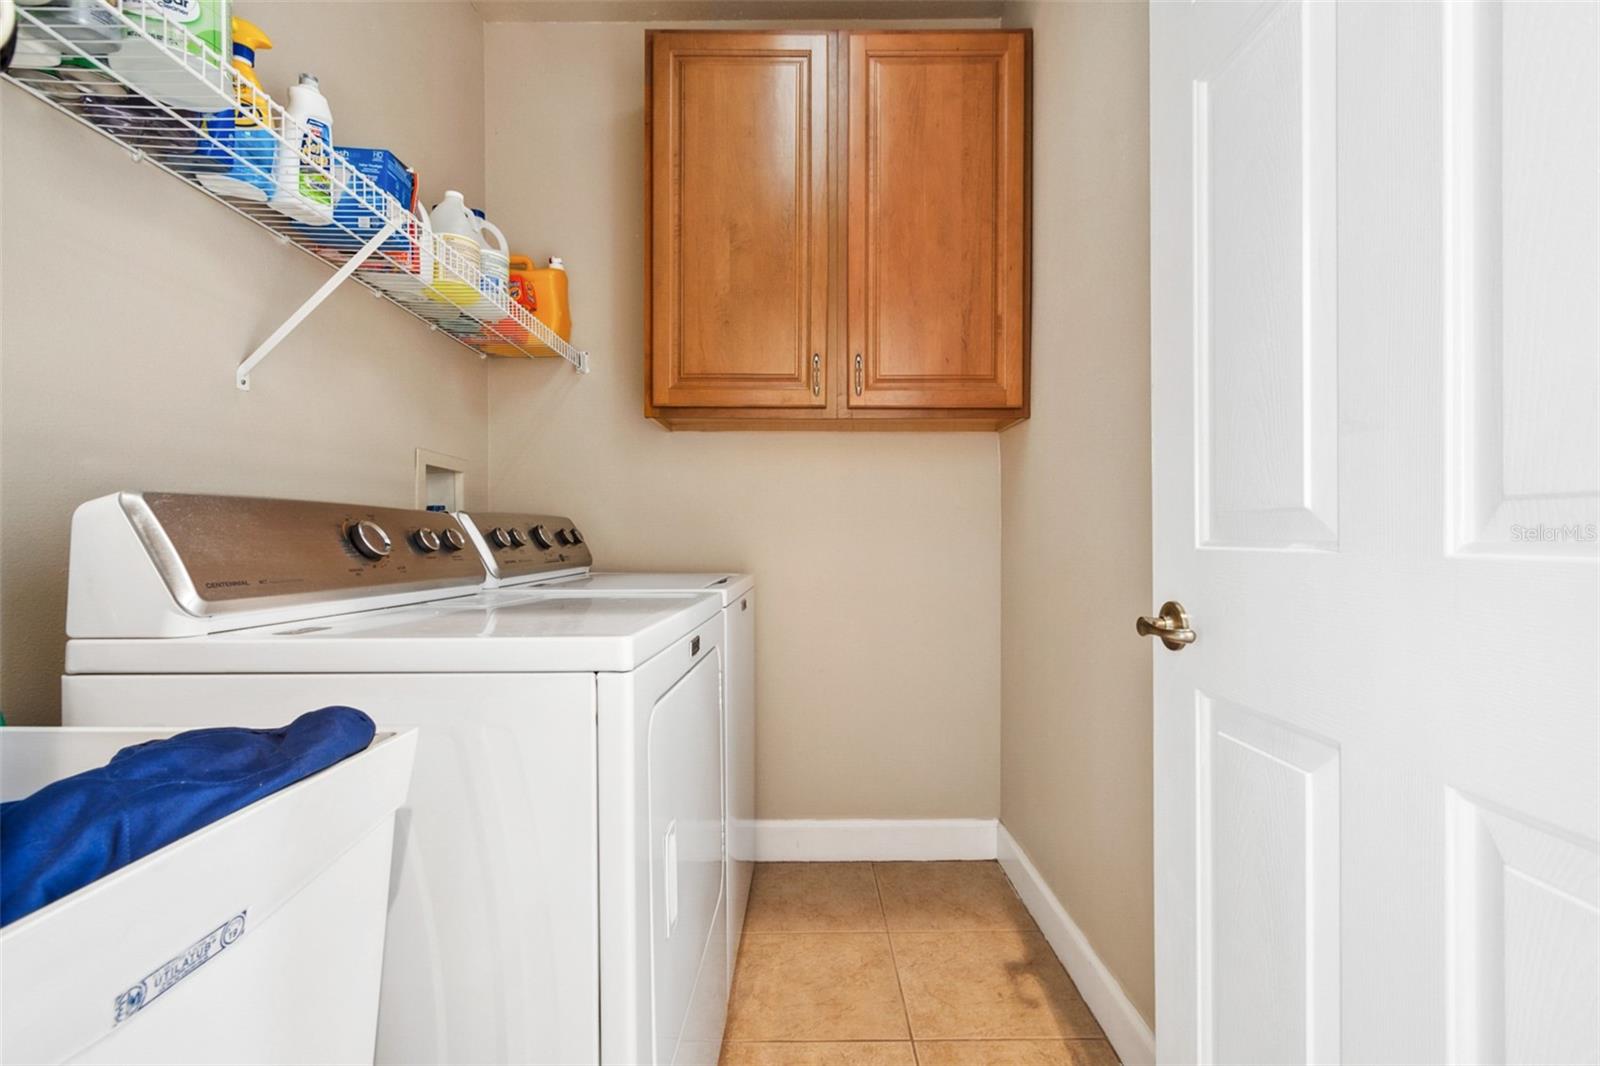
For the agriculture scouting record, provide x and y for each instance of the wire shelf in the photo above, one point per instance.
(411, 265)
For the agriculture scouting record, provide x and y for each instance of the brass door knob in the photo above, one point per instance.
(1171, 625)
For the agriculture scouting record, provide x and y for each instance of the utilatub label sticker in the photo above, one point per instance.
(163, 977)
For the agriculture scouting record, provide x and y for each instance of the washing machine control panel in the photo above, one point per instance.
(522, 545)
(233, 553)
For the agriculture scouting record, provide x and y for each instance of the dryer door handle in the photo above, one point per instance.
(669, 854)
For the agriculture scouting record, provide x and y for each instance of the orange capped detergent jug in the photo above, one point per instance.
(519, 290)
(542, 292)
(550, 300)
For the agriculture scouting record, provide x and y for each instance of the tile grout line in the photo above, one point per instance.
(894, 961)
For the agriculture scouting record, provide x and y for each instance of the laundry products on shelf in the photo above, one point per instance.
(303, 187)
(173, 26)
(239, 152)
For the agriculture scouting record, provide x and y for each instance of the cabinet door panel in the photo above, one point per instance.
(739, 209)
(937, 241)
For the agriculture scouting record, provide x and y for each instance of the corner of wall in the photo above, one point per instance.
(1075, 502)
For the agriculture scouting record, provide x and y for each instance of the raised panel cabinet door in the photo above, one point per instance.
(937, 270)
(738, 285)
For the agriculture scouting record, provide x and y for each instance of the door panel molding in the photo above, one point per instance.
(1265, 286)
(1517, 892)
(1267, 847)
(1522, 264)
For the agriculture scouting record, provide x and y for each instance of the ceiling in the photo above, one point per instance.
(729, 10)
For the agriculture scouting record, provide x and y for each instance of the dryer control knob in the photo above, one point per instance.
(369, 539)
(541, 538)
(517, 538)
(426, 540)
(452, 540)
(577, 538)
(500, 537)
(564, 536)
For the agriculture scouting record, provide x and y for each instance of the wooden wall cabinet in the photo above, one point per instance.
(837, 229)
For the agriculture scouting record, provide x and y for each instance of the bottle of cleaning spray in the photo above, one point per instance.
(303, 189)
(238, 156)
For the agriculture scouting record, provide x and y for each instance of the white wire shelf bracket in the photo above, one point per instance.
(373, 239)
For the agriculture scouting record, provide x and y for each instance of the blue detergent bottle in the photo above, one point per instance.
(239, 150)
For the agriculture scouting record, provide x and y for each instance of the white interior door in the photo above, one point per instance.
(1376, 366)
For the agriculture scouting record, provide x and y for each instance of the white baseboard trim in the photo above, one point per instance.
(864, 840)
(1124, 1026)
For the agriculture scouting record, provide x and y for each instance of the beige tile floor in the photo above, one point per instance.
(900, 964)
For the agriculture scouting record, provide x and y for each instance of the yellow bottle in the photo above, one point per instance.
(248, 39)
(550, 302)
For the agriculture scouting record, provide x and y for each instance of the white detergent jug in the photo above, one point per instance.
(406, 275)
(494, 260)
(458, 254)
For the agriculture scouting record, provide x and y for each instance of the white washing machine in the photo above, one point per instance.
(558, 891)
(548, 553)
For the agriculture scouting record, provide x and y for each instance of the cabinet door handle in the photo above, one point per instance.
(858, 373)
(816, 373)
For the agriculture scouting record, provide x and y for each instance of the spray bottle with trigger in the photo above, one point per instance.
(240, 150)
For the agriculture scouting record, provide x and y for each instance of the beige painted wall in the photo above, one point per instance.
(876, 554)
(1075, 747)
(128, 300)
(883, 688)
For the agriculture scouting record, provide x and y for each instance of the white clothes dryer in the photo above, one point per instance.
(558, 890)
(548, 553)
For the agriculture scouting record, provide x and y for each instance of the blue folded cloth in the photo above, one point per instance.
(79, 829)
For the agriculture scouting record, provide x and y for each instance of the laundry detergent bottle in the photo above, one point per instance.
(240, 147)
(302, 188)
(550, 302)
(459, 259)
(175, 27)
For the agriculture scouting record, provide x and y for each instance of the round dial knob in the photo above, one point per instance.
(577, 538)
(541, 538)
(452, 540)
(500, 537)
(426, 540)
(517, 539)
(563, 536)
(369, 539)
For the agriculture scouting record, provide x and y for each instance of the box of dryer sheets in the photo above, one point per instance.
(358, 214)
(387, 173)
(256, 938)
